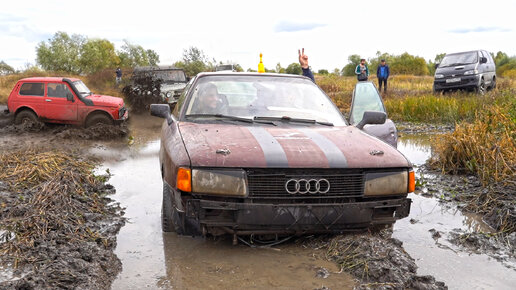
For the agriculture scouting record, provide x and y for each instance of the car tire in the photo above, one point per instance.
(481, 89)
(493, 84)
(436, 91)
(167, 222)
(98, 119)
(26, 116)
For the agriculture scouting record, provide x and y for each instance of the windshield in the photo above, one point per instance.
(259, 97)
(224, 67)
(82, 88)
(459, 59)
(171, 75)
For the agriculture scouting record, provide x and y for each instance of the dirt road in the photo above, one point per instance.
(151, 259)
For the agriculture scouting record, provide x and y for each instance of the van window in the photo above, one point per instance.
(57, 90)
(32, 89)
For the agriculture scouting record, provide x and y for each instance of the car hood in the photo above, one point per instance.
(166, 87)
(455, 70)
(101, 100)
(253, 146)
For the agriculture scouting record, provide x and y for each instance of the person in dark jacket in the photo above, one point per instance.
(383, 74)
(118, 73)
(362, 71)
(303, 61)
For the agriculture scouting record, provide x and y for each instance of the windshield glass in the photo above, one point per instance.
(224, 67)
(171, 75)
(262, 96)
(82, 88)
(459, 59)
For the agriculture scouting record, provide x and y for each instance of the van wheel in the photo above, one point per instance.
(436, 91)
(493, 84)
(98, 119)
(26, 117)
(481, 89)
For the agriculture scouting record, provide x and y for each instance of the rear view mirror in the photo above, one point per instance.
(162, 111)
(436, 65)
(483, 60)
(69, 97)
(372, 118)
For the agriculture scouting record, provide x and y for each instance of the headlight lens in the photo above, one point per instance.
(471, 72)
(219, 182)
(386, 183)
(439, 76)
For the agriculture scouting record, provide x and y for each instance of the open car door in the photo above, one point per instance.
(367, 98)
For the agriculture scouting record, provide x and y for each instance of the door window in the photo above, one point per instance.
(32, 89)
(365, 98)
(57, 90)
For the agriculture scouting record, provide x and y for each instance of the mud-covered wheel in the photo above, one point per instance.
(25, 117)
(98, 119)
(167, 223)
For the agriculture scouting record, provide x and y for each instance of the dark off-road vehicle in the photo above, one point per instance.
(172, 80)
(260, 154)
(471, 70)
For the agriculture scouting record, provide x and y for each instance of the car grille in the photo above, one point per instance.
(271, 183)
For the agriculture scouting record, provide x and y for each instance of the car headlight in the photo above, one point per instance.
(471, 72)
(389, 183)
(439, 76)
(168, 94)
(219, 182)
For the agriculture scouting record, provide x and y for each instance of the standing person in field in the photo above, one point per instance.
(362, 71)
(303, 61)
(383, 74)
(118, 73)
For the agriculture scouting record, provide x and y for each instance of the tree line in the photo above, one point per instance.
(79, 54)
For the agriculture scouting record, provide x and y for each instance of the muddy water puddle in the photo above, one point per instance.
(152, 259)
(425, 232)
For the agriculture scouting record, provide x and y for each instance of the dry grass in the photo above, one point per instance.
(486, 147)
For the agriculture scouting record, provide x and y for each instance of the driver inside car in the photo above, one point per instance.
(209, 101)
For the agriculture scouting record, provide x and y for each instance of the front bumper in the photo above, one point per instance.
(256, 218)
(124, 118)
(466, 82)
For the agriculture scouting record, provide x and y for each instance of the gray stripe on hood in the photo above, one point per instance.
(336, 158)
(274, 154)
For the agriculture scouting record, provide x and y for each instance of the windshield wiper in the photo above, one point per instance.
(88, 93)
(233, 118)
(289, 119)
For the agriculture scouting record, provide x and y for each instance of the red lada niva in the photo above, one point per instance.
(63, 100)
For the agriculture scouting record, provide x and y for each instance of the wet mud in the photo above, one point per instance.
(439, 239)
(377, 260)
(143, 91)
(58, 223)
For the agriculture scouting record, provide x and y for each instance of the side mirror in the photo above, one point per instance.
(162, 111)
(69, 97)
(483, 60)
(372, 118)
(436, 65)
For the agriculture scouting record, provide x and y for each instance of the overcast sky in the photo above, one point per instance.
(237, 31)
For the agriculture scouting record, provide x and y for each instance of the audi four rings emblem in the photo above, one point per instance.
(303, 186)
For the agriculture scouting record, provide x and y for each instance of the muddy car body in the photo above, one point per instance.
(273, 155)
(173, 80)
(63, 100)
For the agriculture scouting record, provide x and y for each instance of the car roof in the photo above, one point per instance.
(47, 79)
(157, 67)
(464, 52)
(229, 73)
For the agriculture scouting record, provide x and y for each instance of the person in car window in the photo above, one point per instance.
(383, 74)
(209, 101)
(362, 71)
